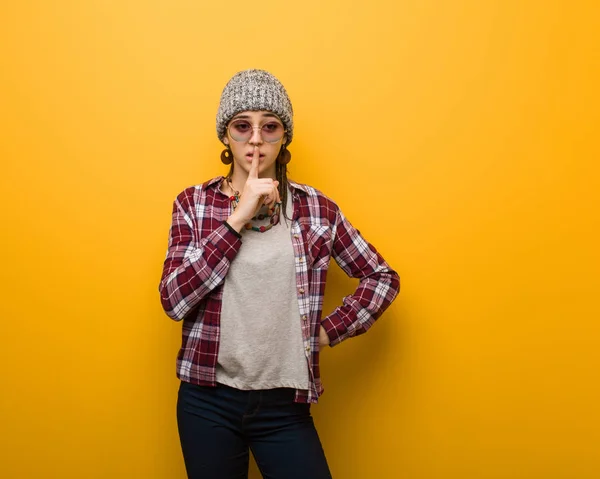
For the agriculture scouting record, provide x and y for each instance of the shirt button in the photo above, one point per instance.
(305, 317)
(301, 259)
(296, 236)
(301, 290)
(308, 349)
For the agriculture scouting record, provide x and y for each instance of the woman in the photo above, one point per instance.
(245, 270)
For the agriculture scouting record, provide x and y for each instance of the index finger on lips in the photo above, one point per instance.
(253, 174)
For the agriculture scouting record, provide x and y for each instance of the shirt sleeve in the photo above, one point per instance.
(378, 284)
(193, 266)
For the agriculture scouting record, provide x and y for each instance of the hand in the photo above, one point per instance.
(256, 193)
(323, 338)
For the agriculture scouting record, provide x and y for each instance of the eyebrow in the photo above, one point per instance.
(265, 115)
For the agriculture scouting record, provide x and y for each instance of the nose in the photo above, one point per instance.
(256, 138)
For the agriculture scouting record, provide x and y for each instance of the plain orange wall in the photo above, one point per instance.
(460, 136)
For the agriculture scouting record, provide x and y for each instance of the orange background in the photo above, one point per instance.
(460, 137)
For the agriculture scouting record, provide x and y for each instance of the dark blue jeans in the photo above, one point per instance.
(217, 426)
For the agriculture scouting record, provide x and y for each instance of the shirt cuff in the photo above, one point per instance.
(335, 329)
(230, 228)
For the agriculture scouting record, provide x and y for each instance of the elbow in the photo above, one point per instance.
(391, 282)
(396, 282)
(174, 316)
(391, 279)
(394, 285)
(172, 310)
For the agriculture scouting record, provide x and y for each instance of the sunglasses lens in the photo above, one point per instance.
(242, 131)
(272, 132)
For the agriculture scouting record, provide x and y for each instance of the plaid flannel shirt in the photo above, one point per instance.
(202, 246)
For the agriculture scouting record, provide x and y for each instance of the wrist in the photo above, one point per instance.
(236, 222)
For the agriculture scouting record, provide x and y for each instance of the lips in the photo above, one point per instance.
(251, 155)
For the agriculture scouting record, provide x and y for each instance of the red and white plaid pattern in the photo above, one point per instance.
(201, 248)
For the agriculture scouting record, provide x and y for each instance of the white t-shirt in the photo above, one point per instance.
(261, 343)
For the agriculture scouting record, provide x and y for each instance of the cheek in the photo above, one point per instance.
(237, 152)
(274, 151)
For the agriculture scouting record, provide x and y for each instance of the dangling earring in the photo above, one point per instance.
(284, 156)
(227, 156)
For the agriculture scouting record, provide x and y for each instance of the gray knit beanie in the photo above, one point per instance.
(253, 90)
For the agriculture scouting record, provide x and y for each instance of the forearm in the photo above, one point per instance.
(192, 273)
(361, 309)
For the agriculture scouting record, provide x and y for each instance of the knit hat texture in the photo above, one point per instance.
(253, 90)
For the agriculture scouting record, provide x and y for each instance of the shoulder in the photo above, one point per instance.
(315, 203)
(200, 193)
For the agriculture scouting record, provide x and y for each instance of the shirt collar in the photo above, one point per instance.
(298, 186)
